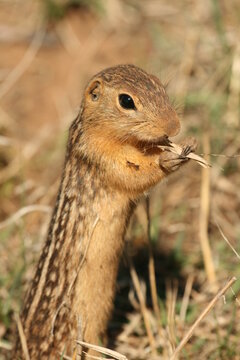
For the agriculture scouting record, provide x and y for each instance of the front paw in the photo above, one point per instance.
(188, 145)
(170, 162)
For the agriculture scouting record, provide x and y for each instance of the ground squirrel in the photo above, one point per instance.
(112, 158)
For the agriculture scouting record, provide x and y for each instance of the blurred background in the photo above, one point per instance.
(48, 51)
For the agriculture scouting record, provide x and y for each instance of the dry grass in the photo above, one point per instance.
(191, 247)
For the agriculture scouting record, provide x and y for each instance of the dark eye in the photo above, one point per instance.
(126, 102)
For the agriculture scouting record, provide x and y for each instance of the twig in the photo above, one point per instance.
(204, 217)
(24, 211)
(103, 350)
(202, 316)
(143, 307)
(22, 337)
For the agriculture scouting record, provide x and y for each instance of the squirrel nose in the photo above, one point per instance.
(172, 126)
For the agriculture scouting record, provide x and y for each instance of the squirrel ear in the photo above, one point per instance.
(95, 89)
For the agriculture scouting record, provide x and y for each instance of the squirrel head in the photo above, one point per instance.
(127, 103)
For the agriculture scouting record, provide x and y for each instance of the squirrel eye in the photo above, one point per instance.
(94, 96)
(126, 102)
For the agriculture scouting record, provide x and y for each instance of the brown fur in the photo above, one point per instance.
(111, 160)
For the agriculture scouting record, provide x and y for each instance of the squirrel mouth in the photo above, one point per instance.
(153, 145)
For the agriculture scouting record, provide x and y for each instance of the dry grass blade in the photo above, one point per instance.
(186, 296)
(5, 345)
(6, 141)
(171, 311)
(22, 66)
(227, 241)
(133, 322)
(202, 316)
(143, 307)
(65, 357)
(235, 296)
(103, 350)
(177, 149)
(204, 217)
(24, 155)
(22, 337)
(234, 90)
(94, 357)
(151, 268)
(201, 161)
(88, 356)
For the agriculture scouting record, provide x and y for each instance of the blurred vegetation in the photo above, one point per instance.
(57, 9)
(194, 48)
